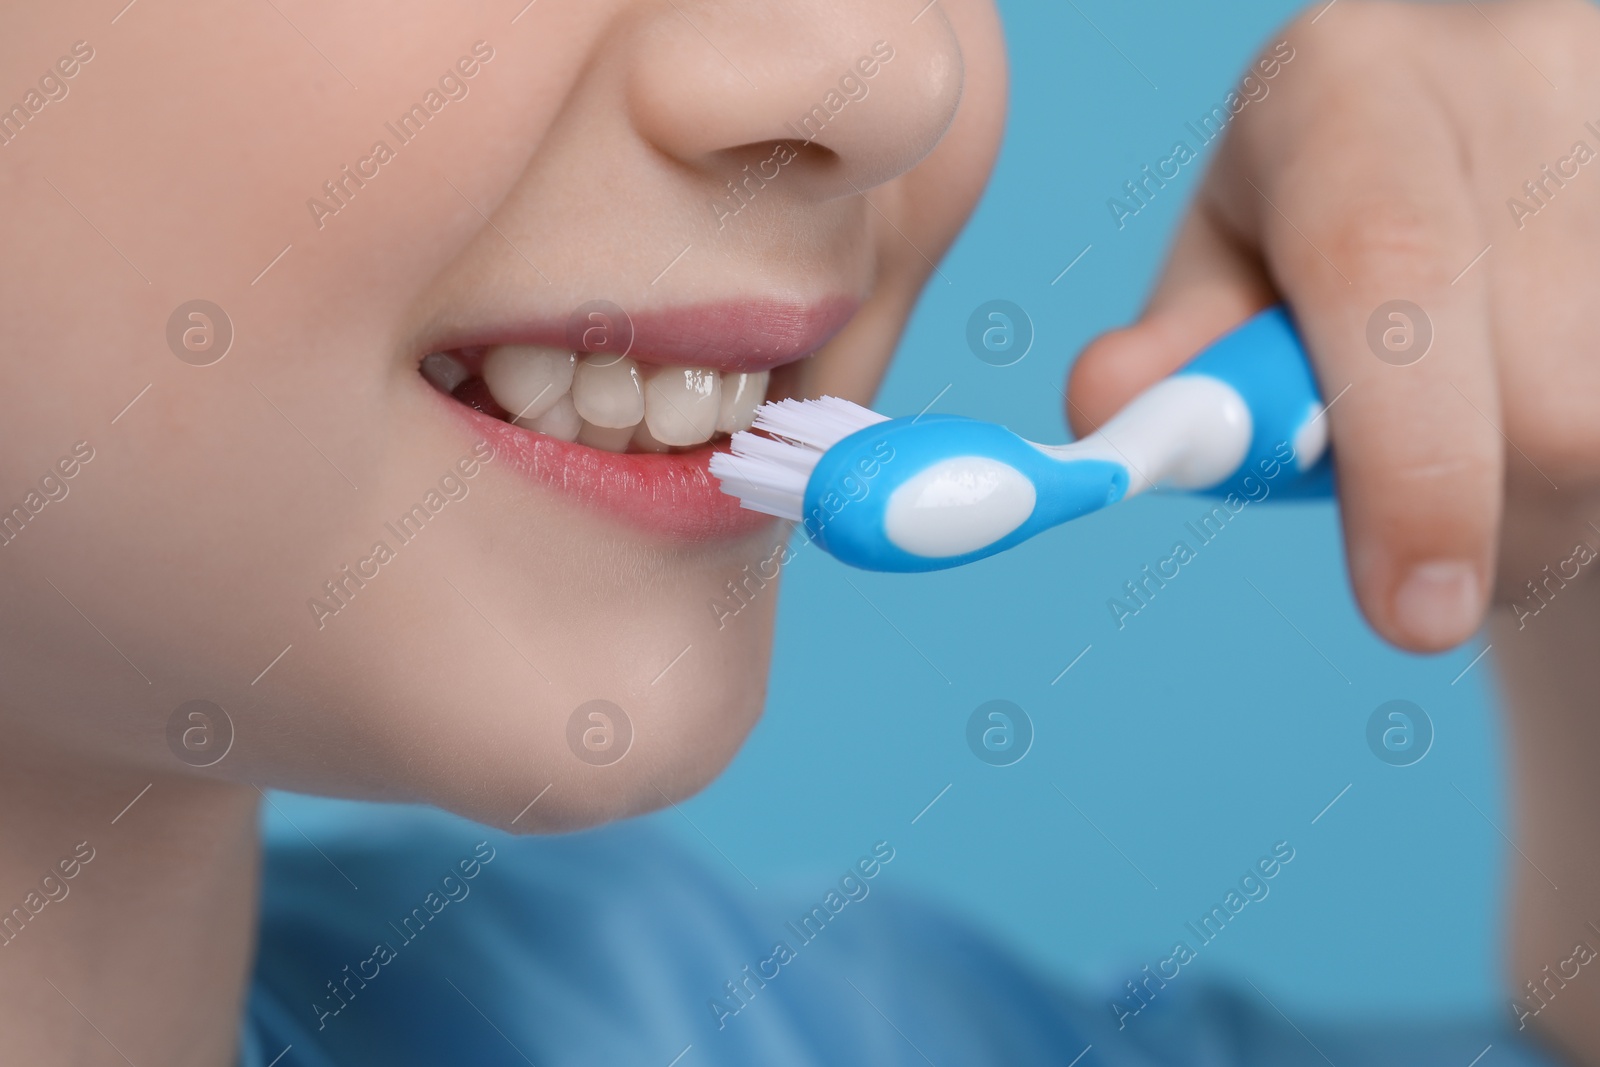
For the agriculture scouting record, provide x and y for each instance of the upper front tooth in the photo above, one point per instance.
(527, 380)
(741, 395)
(606, 390)
(681, 405)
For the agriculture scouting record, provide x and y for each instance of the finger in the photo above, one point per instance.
(1209, 285)
(1366, 205)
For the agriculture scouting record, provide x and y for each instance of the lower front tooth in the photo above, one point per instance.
(606, 390)
(562, 421)
(605, 438)
(741, 395)
(528, 380)
(643, 441)
(681, 405)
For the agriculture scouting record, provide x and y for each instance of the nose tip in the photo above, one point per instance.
(867, 92)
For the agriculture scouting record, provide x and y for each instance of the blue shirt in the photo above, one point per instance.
(397, 935)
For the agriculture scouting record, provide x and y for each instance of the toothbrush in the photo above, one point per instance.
(938, 491)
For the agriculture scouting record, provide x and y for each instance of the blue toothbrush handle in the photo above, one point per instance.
(1265, 362)
(920, 494)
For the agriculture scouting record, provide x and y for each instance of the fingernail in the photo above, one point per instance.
(1437, 604)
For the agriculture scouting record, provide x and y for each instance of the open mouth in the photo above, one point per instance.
(601, 400)
(632, 433)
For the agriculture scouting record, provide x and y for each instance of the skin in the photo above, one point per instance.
(1379, 168)
(595, 140)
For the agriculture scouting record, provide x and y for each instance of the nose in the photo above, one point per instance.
(844, 94)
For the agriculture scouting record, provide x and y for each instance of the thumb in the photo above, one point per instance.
(1209, 285)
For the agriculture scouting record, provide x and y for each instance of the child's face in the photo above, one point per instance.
(305, 533)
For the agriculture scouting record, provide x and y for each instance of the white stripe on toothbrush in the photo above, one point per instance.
(1190, 431)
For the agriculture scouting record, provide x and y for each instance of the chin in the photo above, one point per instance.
(618, 683)
(672, 743)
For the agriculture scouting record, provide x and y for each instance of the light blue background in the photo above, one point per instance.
(1194, 739)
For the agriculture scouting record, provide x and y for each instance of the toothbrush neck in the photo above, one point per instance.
(1190, 431)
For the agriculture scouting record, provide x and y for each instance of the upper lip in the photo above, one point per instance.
(741, 336)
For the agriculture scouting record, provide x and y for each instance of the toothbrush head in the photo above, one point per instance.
(912, 494)
(769, 473)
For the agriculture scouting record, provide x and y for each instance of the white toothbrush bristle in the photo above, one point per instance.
(769, 474)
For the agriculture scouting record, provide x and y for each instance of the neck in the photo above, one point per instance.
(125, 931)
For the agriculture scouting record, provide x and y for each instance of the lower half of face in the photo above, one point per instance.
(357, 439)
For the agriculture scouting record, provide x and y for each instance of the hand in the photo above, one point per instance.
(1449, 156)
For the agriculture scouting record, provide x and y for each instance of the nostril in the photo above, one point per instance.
(768, 159)
(748, 172)
(862, 95)
(809, 152)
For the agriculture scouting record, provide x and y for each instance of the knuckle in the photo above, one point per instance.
(1382, 237)
(1420, 478)
(1427, 488)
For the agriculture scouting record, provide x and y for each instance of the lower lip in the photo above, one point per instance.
(671, 495)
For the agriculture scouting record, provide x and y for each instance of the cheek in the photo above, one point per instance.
(267, 456)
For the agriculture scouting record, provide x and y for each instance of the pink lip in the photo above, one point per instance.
(670, 495)
(748, 336)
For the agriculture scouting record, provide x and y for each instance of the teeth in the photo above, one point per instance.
(605, 438)
(681, 405)
(607, 392)
(443, 372)
(644, 442)
(602, 400)
(741, 395)
(561, 421)
(528, 380)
